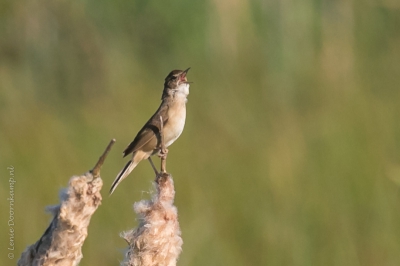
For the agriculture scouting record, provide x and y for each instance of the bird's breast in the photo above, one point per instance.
(176, 122)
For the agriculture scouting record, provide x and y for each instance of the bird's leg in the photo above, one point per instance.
(163, 151)
(153, 166)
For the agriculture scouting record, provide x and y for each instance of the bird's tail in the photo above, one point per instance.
(123, 174)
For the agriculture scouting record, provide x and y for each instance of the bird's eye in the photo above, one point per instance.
(173, 77)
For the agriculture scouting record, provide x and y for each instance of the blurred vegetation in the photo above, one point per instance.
(291, 151)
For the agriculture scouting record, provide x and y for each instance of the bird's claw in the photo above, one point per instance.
(163, 153)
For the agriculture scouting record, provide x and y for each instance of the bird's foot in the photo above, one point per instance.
(163, 153)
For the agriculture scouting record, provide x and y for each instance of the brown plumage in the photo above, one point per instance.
(173, 112)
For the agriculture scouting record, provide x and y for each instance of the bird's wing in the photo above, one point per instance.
(149, 134)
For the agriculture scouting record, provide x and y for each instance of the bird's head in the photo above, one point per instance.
(176, 81)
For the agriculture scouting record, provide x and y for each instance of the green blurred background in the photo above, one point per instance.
(291, 150)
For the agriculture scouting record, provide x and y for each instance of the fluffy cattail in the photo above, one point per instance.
(62, 242)
(157, 240)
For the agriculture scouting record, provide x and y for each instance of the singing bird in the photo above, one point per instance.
(172, 113)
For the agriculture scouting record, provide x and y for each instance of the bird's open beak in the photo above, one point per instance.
(183, 76)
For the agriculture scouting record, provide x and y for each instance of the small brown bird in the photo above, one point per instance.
(173, 113)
